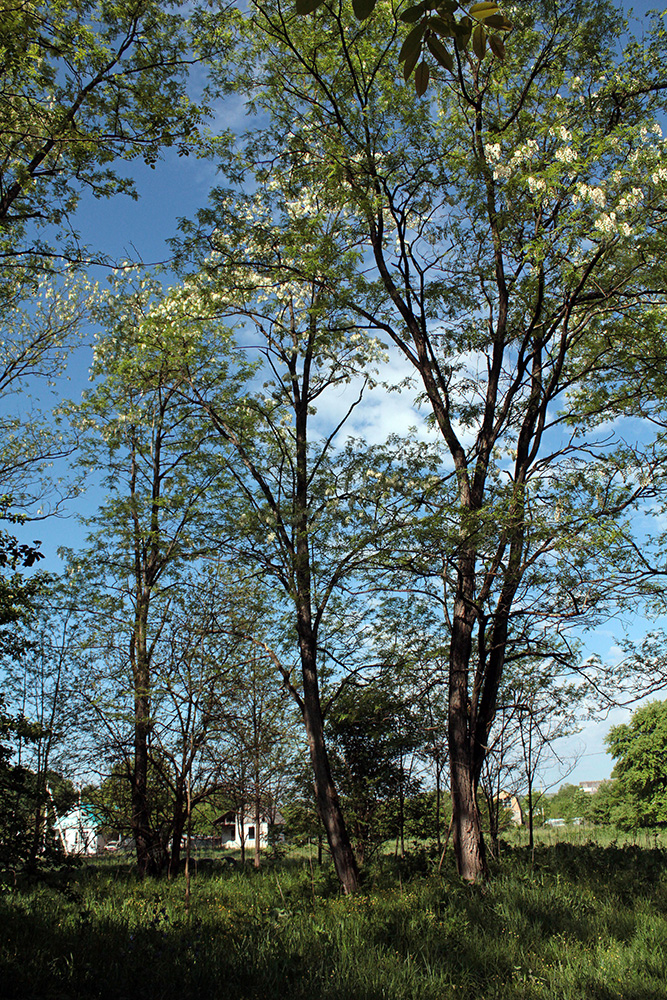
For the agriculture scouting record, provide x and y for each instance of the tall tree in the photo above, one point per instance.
(639, 748)
(504, 273)
(83, 83)
(153, 453)
(310, 513)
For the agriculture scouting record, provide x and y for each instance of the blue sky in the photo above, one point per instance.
(124, 229)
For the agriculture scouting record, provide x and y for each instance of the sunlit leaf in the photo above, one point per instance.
(440, 52)
(498, 21)
(421, 78)
(412, 42)
(480, 11)
(363, 8)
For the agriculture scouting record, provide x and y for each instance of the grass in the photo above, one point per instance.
(581, 921)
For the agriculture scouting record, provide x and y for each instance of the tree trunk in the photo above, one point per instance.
(464, 757)
(177, 837)
(438, 823)
(325, 791)
(531, 841)
(258, 820)
(468, 839)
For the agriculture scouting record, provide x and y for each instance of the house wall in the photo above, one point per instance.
(231, 834)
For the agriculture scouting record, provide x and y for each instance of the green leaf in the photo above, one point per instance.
(497, 46)
(307, 6)
(363, 8)
(413, 14)
(421, 78)
(462, 32)
(480, 11)
(411, 62)
(440, 52)
(498, 21)
(449, 7)
(442, 26)
(412, 42)
(479, 41)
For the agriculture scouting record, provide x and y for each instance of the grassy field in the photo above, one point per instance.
(580, 921)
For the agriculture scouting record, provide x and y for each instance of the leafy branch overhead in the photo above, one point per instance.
(482, 24)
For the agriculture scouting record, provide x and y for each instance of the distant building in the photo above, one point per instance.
(511, 802)
(79, 831)
(237, 828)
(589, 786)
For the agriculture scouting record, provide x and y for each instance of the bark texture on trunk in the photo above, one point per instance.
(328, 802)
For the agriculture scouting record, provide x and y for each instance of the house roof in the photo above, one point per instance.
(249, 815)
(81, 815)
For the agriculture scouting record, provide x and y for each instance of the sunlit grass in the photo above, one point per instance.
(581, 921)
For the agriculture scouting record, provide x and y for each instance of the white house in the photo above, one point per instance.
(236, 827)
(79, 831)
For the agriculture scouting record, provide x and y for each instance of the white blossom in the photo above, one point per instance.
(502, 172)
(566, 154)
(606, 223)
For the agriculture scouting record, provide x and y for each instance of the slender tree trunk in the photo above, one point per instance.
(177, 835)
(438, 822)
(468, 840)
(325, 790)
(188, 848)
(258, 820)
(241, 821)
(401, 810)
(531, 841)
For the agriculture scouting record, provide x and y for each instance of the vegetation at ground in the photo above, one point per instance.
(574, 921)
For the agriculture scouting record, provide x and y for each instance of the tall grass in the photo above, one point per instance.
(582, 921)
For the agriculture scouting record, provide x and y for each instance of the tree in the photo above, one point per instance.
(38, 684)
(639, 748)
(432, 22)
(83, 84)
(372, 733)
(41, 321)
(312, 513)
(260, 747)
(154, 453)
(568, 803)
(504, 273)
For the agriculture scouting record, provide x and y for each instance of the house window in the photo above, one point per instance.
(251, 833)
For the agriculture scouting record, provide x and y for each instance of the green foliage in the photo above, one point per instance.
(83, 83)
(639, 748)
(421, 818)
(457, 22)
(569, 802)
(24, 803)
(372, 735)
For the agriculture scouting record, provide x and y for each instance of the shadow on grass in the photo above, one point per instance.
(584, 923)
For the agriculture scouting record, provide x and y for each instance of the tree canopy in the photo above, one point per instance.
(639, 748)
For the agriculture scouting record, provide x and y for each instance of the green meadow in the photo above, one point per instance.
(576, 920)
